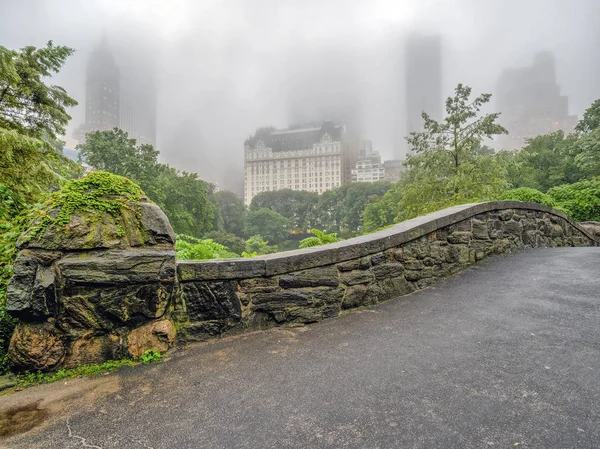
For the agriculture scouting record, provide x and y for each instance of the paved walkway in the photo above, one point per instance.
(504, 355)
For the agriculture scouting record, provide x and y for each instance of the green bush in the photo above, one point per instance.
(529, 195)
(319, 238)
(234, 243)
(191, 248)
(581, 200)
(150, 356)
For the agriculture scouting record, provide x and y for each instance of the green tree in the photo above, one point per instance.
(545, 161)
(528, 194)
(581, 200)
(383, 212)
(113, 151)
(181, 195)
(231, 241)
(268, 224)
(341, 210)
(257, 246)
(590, 120)
(447, 166)
(27, 104)
(296, 205)
(319, 238)
(31, 160)
(230, 212)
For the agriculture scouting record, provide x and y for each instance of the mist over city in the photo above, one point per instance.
(299, 223)
(215, 71)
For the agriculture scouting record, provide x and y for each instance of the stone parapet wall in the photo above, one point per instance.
(104, 286)
(306, 286)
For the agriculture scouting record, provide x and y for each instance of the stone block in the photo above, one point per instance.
(202, 331)
(217, 300)
(513, 227)
(355, 296)
(356, 277)
(378, 258)
(460, 237)
(118, 267)
(282, 300)
(480, 229)
(37, 347)
(261, 284)
(90, 349)
(158, 336)
(315, 277)
(387, 271)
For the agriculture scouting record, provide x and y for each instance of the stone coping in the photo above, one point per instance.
(398, 234)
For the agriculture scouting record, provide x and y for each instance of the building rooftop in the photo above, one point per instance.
(294, 138)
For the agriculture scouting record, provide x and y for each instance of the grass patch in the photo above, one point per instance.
(30, 379)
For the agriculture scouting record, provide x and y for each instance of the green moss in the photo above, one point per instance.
(99, 191)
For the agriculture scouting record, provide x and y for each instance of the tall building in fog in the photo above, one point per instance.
(304, 158)
(119, 96)
(423, 62)
(102, 93)
(138, 100)
(531, 103)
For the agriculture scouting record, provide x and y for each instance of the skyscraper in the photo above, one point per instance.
(138, 100)
(102, 96)
(530, 101)
(423, 59)
(119, 96)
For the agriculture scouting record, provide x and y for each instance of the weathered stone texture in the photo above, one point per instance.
(312, 294)
(81, 290)
(124, 296)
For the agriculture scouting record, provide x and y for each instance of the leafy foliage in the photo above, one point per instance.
(30, 167)
(382, 213)
(27, 105)
(447, 166)
(151, 356)
(319, 238)
(191, 248)
(256, 246)
(232, 242)
(97, 191)
(529, 195)
(545, 161)
(341, 210)
(299, 207)
(230, 213)
(581, 200)
(590, 120)
(338, 210)
(268, 224)
(181, 195)
(31, 161)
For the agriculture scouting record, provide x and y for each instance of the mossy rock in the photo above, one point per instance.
(99, 211)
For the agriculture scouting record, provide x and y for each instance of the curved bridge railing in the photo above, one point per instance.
(90, 296)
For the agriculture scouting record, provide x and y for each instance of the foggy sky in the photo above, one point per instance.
(224, 68)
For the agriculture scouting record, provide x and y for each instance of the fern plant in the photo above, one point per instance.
(191, 248)
(319, 238)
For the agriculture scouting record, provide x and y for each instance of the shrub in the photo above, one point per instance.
(319, 238)
(234, 243)
(191, 248)
(529, 195)
(581, 200)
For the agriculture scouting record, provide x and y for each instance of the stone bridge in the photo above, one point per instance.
(96, 295)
